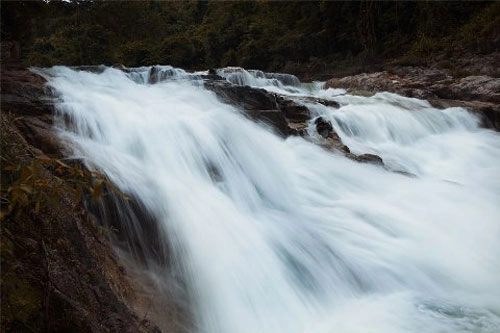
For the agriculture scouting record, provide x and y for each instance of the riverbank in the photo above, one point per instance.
(60, 271)
(472, 82)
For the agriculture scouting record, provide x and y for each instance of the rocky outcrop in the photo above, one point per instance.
(288, 116)
(258, 104)
(25, 97)
(324, 128)
(471, 88)
(246, 97)
(293, 111)
(479, 94)
(59, 270)
(408, 83)
(24, 93)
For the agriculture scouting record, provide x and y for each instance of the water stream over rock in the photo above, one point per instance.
(276, 234)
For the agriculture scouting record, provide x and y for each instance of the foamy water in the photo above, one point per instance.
(275, 235)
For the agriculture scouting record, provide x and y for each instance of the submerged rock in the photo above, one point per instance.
(328, 138)
(370, 158)
(324, 128)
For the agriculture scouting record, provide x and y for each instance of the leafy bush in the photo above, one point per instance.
(29, 184)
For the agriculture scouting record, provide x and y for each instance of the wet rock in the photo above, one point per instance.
(258, 104)
(299, 128)
(244, 96)
(328, 138)
(232, 69)
(370, 158)
(292, 110)
(318, 100)
(24, 93)
(274, 118)
(158, 74)
(326, 102)
(323, 127)
(488, 112)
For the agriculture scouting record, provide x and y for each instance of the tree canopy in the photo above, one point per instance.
(266, 35)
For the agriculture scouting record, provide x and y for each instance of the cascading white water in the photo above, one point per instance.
(276, 82)
(413, 137)
(279, 235)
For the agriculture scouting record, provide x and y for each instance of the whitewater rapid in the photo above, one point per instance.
(280, 235)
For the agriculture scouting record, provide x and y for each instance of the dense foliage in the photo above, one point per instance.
(259, 34)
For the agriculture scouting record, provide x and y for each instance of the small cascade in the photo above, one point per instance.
(255, 78)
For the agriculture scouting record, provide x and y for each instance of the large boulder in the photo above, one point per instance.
(258, 104)
(244, 96)
(24, 93)
(370, 158)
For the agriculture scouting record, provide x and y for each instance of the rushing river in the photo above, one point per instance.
(279, 235)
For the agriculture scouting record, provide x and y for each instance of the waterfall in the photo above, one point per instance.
(279, 235)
